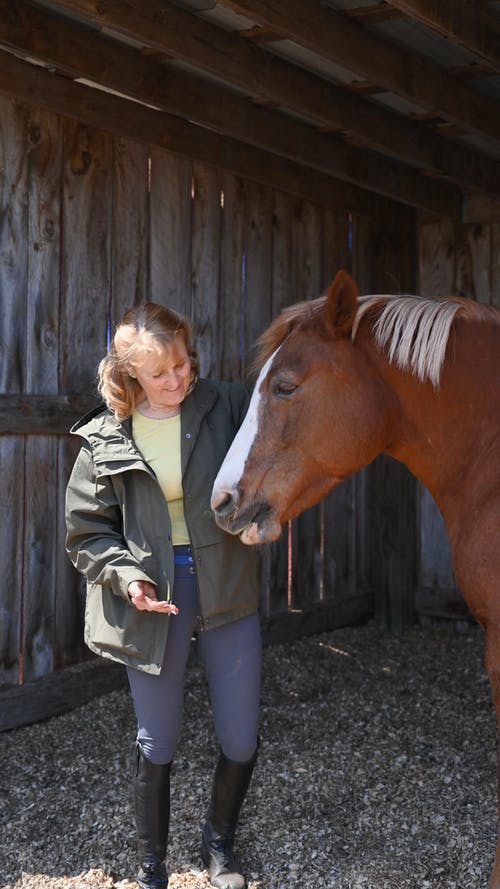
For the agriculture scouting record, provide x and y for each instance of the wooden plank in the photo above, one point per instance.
(336, 244)
(274, 577)
(44, 234)
(39, 553)
(69, 647)
(282, 293)
(13, 242)
(480, 208)
(86, 275)
(12, 529)
(478, 239)
(437, 258)
(307, 251)
(463, 283)
(39, 556)
(170, 227)
(395, 250)
(231, 277)
(362, 528)
(435, 563)
(339, 545)
(391, 491)
(85, 255)
(130, 226)
(380, 61)
(464, 23)
(13, 289)
(135, 121)
(205, 274)
(257, 272)
(457, 260)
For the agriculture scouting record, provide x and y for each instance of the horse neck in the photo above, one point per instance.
(437, 433)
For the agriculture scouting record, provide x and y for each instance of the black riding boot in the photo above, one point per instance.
(230, 785)
(152, 813)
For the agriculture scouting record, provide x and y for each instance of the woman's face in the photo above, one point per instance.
(164, 376)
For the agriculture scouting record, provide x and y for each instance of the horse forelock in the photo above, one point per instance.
(289, 319)
(414, 330)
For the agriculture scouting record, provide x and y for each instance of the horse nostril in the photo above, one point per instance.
(224, 502)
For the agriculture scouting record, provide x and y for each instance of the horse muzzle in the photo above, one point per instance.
(253, 522)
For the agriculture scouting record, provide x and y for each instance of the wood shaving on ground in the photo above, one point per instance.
(377, 770)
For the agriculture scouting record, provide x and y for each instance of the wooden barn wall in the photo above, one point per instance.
(91, 223)
(462, 259)
(385, 261)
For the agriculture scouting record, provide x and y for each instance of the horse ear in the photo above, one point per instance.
(341, 303)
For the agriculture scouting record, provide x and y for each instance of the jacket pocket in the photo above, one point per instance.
(115, 626)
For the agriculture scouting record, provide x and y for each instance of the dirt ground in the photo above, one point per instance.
(377, 771)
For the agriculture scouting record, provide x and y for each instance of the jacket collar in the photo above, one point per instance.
(111, 440)
(193, 409)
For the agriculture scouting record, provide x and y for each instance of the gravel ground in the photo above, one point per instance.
(377, 769)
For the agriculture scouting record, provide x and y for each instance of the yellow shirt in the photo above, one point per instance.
(159, 442)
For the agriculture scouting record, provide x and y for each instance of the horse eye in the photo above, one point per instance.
(282, 388)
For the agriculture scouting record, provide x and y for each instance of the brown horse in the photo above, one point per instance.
(345, 378)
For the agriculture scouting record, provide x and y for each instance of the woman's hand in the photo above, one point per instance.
(143, 596)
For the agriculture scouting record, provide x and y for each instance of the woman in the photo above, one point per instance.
(158, 570)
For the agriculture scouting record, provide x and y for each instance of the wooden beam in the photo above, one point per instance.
(461, 21)
(64, 690)
(241, 64)
(334, 36)
(34, 86)
(471, 70)
(284, 626)
(372, 15)
(122, 69)
(37, 86)
(478, 208)
(59, 692)
(42, 414)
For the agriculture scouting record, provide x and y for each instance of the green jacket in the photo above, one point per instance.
(118, 527)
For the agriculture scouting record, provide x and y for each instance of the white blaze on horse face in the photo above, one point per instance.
(232, 468)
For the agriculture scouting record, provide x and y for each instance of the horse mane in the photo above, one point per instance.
(412, 330)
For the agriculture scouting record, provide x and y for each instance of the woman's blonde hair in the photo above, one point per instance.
(146, 327)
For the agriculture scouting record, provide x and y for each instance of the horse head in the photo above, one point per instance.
(317, 414)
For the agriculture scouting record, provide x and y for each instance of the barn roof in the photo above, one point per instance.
(350, 97)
